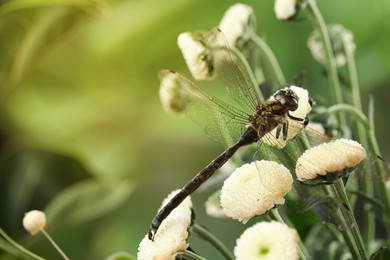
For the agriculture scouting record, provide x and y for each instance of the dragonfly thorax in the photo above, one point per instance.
(273, 113)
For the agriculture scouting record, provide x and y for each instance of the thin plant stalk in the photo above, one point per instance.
(270, 58)
(54, 244)
(374, 147)
(346, 229)
(361, 134)
(358, 249)
(19, 247)
(373, 144)
(213, 240)
(330, 59)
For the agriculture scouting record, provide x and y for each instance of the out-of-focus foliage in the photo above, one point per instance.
(82, 132)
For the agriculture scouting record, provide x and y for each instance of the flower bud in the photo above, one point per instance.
(285, 9)
(237, 24)
(34, 221)
(336, 33)
(172, 97)
(197, 55)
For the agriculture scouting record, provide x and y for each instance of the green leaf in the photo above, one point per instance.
(96, 7)
(382, 253)
(87, 200)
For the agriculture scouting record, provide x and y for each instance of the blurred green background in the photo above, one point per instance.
(82, 132)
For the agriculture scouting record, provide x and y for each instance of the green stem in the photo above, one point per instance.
(213, 240)
(342, 225)
(385, 193)
(249, 72)
(51, 240)
(357, 249)
(351, 109)
(330, 60)
(270, 59)
(374, 148)
(19, 247)
(303, 253)
(361, 134)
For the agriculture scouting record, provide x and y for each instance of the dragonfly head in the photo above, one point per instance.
(287, 98)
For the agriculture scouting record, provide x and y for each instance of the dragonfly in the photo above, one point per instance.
(246, 121)
(272, 122)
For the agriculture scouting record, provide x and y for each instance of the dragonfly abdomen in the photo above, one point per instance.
(249, 137)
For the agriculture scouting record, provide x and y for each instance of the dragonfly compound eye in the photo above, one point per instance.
(287, 98)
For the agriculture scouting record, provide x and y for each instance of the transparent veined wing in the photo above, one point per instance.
(228, 70)
(222, 122)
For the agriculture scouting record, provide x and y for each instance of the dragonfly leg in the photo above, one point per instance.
(278, 129)
(296, 118)
(285, 130)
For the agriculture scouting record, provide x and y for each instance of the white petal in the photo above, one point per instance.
(255, 188)
(267, 240)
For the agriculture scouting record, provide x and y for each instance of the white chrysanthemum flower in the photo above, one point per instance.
(267, 240)
(171, 237)
(213, 205)
(294, 127)
(238, 23)
(336, 33)
(255, 188)
(285, 9)
(197, 55)
(171, 95)
(318, 127)
(333, 159)
(34, 221)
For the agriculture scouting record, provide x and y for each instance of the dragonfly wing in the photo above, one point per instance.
(220, 121)
(238, 85)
